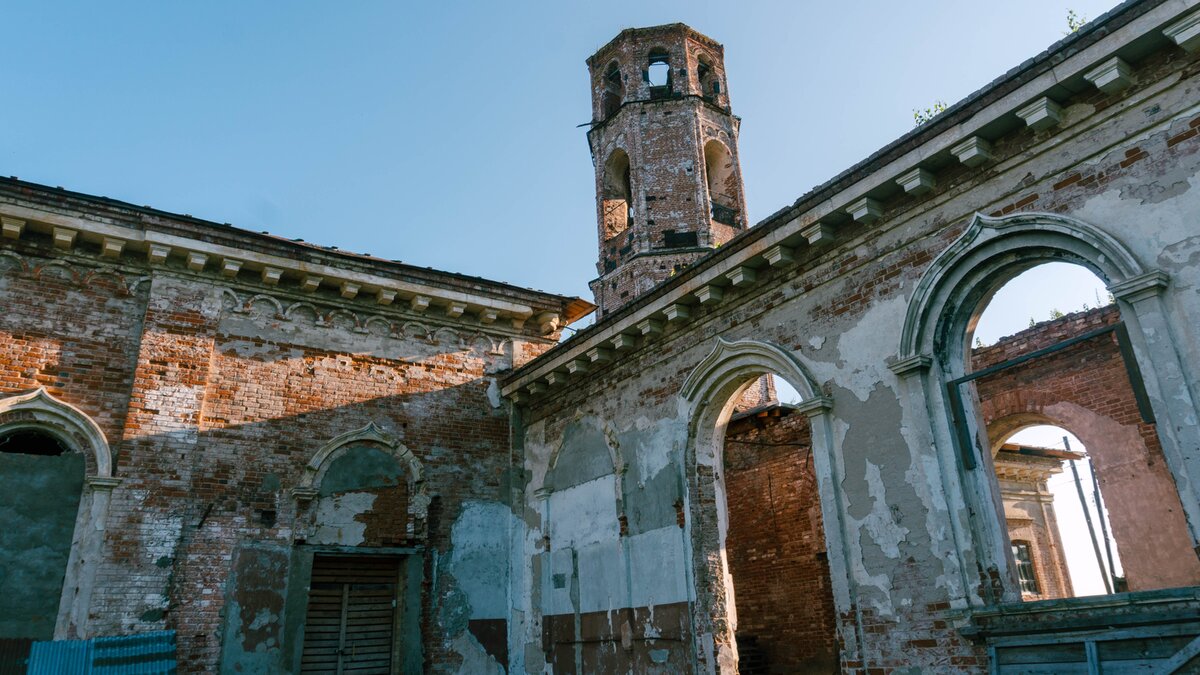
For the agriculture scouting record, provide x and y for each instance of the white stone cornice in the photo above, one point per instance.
(622, 342)
(157, 246)
(818, 405)
(864, 210)
(196, 261)
(1185, 32)
(1111, 76)
(911, 365)
(819, 233)
(349, 290)
(578, 366)
(779, 255)
(310, 283)
(1138, 288)
(103, 482)
(972, 151)
(419, 303)
(917, 181)
(271, 275)
(710, 295)
(112, 248)
(64, 238)
(12, 227)
(386, 296)
(1040, 113)
(741, 276)
(650, 327)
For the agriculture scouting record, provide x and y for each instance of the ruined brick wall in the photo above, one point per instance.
(1086, 390)
(215, 394)
(776, 547)
(836, 300)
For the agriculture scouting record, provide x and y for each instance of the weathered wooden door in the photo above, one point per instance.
(351, 621)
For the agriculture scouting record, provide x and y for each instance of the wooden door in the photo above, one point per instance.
(351, 621)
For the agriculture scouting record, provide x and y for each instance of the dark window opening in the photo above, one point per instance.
(614, 90)
(707, 79)
(1025, 572)
(32, 442)
(673, 239)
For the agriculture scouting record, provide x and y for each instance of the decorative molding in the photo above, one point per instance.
(650, 327)
(818, 233)
(864, 210)
(11, 227)
(1040, 114)
(577, 367)
(103, 482)
(818, 405)
(112, 248)
(39, 409)
(230, 267)
(196, 261)
(917, 181)
(973, 151)
(743, 359)
(710, 295)
(1185, 32)
(1019, 230)
(677, 312)
(1112, 76)
(310, 283)
(64, 238)
(741, 276)
(622, 342)
(599, 355)
(1148, 285)
(419, 303)
(779, 255)
(911, 365)
(157, 254)
(271, 275)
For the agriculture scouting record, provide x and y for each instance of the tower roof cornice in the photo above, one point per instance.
(653, 31)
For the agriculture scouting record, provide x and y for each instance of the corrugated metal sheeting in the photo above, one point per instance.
(142, 654)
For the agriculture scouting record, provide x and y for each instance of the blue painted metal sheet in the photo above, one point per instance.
(141, 654)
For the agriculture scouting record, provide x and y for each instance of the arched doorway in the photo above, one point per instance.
(761, 499)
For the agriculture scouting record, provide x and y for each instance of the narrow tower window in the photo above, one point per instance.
(722, 178)
(614, 90)
(617, 202)
(707, 79)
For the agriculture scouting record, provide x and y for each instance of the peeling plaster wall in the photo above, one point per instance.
(1124, 163)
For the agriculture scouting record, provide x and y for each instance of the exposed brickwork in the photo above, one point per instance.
(668, 181)
(776, 547)
(214, 402)
(1086, 389)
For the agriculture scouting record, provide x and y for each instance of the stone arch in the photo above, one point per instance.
(710, 393)
(41, 411)
(275, 308)
(109, 277)
(373, 437)
(11, 260)
(303, 312)
(934, 350)
(56, 267)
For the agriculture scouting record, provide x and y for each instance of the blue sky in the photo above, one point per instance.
(444, 134)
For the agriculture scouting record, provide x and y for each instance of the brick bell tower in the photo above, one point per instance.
(664, 144)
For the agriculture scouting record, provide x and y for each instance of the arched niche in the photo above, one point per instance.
(40, 412)
(710, 393)
(616, 201)
(357, 478)
(724, 190)
(934, 352)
